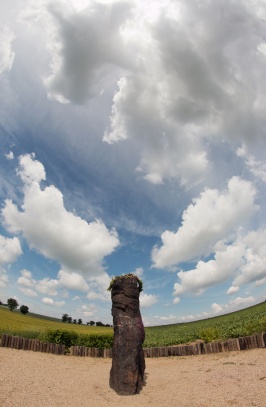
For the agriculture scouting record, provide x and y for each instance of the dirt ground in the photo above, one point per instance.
(29, 379)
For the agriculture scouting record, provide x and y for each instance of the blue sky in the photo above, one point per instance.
(133, 141)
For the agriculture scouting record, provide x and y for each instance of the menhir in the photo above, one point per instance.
(128, 363)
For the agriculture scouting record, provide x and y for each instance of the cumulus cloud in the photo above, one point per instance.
(98, 288)
(257, 168)
(85, 46)
(217, 308)
(209, 218)
(30, 170)
(206, 274)
(174, 90)
(50, 301)
(232, 290)
(72, 281)
(48, 227)
(10, 249)
(147, 300)
(242, 261)
(26, 279)
(190, 86)
(47, 286)
(253, 268)
(28, 291)
(29, 286)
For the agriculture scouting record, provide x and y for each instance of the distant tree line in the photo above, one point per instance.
(99, 323)
(70, 320)
(67, 318)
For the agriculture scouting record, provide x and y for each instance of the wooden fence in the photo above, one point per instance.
(16, 342)
(200, 348)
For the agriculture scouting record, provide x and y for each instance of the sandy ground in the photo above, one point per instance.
(29, 379)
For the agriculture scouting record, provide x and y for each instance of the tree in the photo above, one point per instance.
(91, 323)
(79, 321)
(24, 309)
(69, 320)
(12, 304)
(74, 321)
(99, 323)
(64, 317)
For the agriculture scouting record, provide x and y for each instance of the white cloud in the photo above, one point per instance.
(189, 86)
(28, 292)
(217, 308)
(30, 170)
(47, 286)
(3, 278)
(98, 288)
(233, 305)
(260, 282)
(84, 47)
(254, 266)
(209, 218)
(139, 271)
(242, 260)
(50, 301)
(257, 168)
(7, 55)
(88, 310)
(26, 279)
(206, 274)
(10, 155)
(177, 89)
(10, 249)
(232, 290)
(147, 300)
(56, 233)
(44, 286)
(72, 280)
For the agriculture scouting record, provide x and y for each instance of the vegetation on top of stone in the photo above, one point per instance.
(131, 276)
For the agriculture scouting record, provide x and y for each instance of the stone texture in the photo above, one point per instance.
(128, 363)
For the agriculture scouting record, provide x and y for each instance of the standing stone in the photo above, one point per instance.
(128, 363)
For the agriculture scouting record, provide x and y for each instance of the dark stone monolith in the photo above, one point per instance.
(128, 363)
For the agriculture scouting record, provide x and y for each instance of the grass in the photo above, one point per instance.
(234, 325)
(33, 326)
(241, 323)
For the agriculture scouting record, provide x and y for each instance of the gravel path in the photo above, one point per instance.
(29, 379)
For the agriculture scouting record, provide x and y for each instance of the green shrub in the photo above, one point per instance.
(95, 340)
(22, 334)
(67, 338)
(235, 331)
(208, 334)
(256, 326)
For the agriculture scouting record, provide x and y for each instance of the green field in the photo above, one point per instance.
(30, 326)
(241, 323)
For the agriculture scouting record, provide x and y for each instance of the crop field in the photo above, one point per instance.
(241, 323)
(28, 326)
